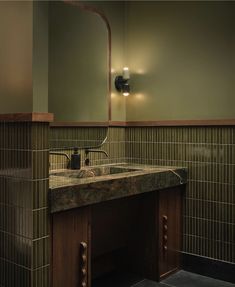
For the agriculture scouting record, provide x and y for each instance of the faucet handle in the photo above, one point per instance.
(87, 161)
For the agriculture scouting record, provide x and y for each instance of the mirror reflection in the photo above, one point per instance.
(79, 75)
(78, 64)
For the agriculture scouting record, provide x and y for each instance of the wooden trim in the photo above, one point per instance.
(172, 123)
(27, 117)
(79, 124)
(117, 123)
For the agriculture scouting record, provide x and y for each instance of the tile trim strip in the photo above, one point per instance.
(209, 122)
(165, 123)
(79, 124)
(27, 117)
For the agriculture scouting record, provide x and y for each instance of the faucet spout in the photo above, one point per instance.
(96, 150)
(62, 154)
(87, 161)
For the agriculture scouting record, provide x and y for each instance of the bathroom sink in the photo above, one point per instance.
(93, 171)
(95, 184)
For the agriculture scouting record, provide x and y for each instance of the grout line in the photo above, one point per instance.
(24, 236)
(162, 283)
(208, 219)
(25, 150)
(25, 208)
(207, 201)
(22, 266)
(211, 239)
(136, 284)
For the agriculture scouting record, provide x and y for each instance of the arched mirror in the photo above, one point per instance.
(79, 72)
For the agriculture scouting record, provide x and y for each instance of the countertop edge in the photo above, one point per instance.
(74, 196)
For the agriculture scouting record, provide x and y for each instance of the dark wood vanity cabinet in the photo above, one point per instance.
(138, 234)
(169, 225)
(71, 248)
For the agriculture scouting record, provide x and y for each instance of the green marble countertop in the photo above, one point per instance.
(68, 192)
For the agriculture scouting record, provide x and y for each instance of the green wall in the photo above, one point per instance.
(16, 56)
(23, 56)
(115, 13)
(40, 56)
(180, 54)
(181, 57)
(78, 64)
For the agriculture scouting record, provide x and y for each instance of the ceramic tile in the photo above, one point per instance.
(40, 222)
(117, 279)
(15, 249)
(186, 279)
(41, 277)
(208, 152)
(23, 203)
(41, 252)
(12, 275)
(148, 283)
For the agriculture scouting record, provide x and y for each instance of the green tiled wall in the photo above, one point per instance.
(60, 138)
(209, 154)
(24, 230)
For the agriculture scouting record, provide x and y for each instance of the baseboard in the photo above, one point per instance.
(209, 267)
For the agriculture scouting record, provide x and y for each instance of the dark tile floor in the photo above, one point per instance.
(117, 279)
(187, 279)
(179, 279)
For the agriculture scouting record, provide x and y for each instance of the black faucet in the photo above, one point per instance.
(74, 162)
(87, 160)
(63, 154)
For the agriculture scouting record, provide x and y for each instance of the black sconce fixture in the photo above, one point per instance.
(121, 82)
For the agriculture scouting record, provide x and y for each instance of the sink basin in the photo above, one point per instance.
(93, 171)
(95, 184)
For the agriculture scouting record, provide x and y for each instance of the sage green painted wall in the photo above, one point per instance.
(115, 13)
(40, 56)
(78, 64)
(16, 56)
(181, 56)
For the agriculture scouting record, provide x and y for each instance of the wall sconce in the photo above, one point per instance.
(121, 82)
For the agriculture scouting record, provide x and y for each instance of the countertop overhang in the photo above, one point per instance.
(67, 193)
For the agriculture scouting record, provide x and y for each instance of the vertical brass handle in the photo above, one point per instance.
(83, 264)
(164, 233)
(165, 217)
(83, 245)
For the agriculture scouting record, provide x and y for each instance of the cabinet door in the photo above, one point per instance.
(169, 219)
(70, 239)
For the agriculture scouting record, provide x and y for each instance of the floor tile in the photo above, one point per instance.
(117, 280)
(187, 279)
(148, 283)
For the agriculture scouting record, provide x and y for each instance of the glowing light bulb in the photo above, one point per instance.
(126, 73)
